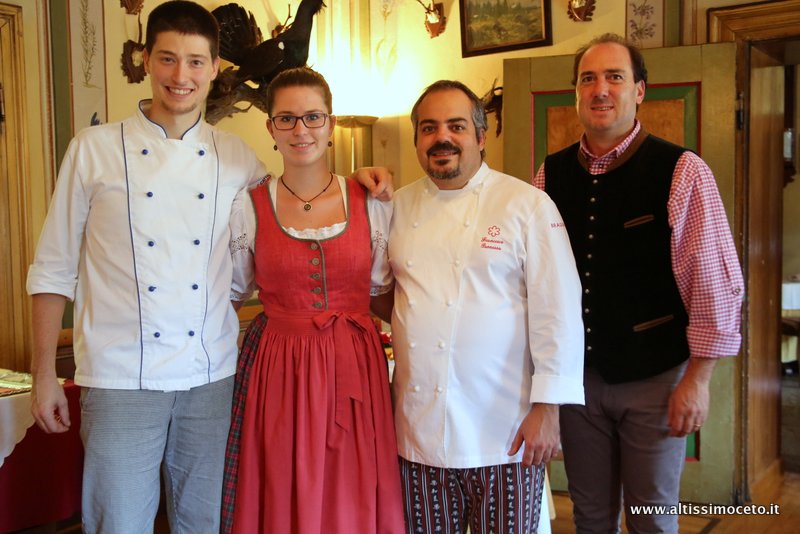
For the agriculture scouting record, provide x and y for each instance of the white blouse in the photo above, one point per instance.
(243, 233)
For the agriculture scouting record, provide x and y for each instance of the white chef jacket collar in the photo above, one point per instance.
(194, 133)
(475, 182)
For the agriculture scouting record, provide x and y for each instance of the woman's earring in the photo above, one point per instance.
(330, 143)
(275, 147)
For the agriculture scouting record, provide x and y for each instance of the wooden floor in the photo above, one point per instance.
(786, 495)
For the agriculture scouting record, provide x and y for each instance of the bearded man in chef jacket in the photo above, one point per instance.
(487, 331)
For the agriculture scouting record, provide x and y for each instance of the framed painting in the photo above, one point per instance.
(645, 23)
(488, 26)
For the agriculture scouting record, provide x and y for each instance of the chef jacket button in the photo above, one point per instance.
(145, 151)
(314, 261)
(151, 243)
(409, 263)
(202, 152)
(157, 334)
(440, 344)
(191, 333)
(195, 286)
(315, 276)
(151, 289)
(201, 196)
(317, 304)
(313, 246)
(415, 388)
(196, 241)
(439, 389)
(317, 290)
(415, 224)
(413, 344)
(150, 194)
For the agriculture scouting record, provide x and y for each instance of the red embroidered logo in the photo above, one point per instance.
(492, 242)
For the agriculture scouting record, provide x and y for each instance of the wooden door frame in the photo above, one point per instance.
(747, 25)
(28, 153)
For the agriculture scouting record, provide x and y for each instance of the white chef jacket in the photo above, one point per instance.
(137, 235)
(486, 319)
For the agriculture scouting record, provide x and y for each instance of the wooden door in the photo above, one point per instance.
(764, 235)
(12, 299)
(26, 165)
(692, 100)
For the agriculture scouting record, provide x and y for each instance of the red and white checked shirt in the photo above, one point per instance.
(704, 259)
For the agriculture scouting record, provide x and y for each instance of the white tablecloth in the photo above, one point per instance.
(15, 419)
(790, 307)
(790, 296)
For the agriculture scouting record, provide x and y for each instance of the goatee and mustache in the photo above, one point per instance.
(443, 174)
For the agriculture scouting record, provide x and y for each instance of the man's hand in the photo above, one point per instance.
(49, 405)
(540, 433)
(688, 404)
(377, 180)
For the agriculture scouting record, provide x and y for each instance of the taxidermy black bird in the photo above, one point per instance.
(256, 61)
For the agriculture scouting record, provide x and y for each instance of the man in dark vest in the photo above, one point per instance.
(662, 290)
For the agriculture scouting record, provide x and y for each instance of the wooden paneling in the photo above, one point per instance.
(765, 226)
(14, 247)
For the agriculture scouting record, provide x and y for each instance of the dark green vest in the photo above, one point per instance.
(634, 319)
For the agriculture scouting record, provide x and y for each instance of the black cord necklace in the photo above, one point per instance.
(307, 203)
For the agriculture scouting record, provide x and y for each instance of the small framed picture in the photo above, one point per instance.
(644, 24)
(488, 27)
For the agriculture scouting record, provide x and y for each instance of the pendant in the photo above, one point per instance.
(307, 206)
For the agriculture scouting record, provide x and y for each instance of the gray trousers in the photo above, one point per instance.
(616, 449)
(130, 435)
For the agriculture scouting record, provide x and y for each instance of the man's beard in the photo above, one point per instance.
(446, 174)
(443, 174)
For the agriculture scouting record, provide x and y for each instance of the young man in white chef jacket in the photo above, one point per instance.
(137, 235)
(487, 330)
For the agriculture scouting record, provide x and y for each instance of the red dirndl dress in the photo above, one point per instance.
(312, 447)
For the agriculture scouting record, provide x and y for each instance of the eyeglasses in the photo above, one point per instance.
(288, 122)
